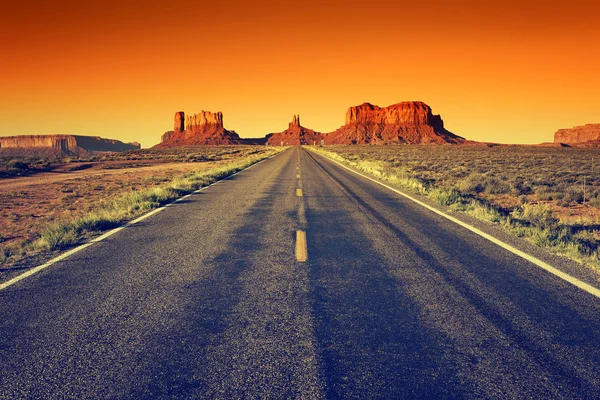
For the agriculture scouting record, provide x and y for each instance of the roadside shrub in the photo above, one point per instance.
(373, 167)
(98, 221)
(523, 199)
(485, 212)
(574, 194)
(538, 215)
(517, 228)
(587, 246)
(58, 235)
(595, 202)
(405, 182)
(543, 238)
(520, 188)
(496, 186)
(478, 183)
(474, 183)
(445, 197)
(562, 202)
(544, 193)
(6, 253)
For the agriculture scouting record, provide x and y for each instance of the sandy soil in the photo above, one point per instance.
(28, 203)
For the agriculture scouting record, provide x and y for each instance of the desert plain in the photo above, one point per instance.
(39, 193)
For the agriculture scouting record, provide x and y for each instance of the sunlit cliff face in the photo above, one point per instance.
(578, 134)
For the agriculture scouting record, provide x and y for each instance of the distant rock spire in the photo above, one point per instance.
(295, 121)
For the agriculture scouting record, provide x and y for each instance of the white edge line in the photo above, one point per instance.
(100, 238)
(555, 271)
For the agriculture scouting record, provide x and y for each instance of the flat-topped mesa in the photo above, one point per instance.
(586, 135)
(406, 122)
(66, 143)
(204, 128)
(296, 134)
(410, 113)
(204, 120)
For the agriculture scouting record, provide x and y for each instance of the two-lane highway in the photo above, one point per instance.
(207, 299)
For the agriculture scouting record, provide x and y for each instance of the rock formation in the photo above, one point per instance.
(296, 134)
(406, 122)
(580, 136)
(205, 128)
(179, 122)
(295, 122)
(70, 144)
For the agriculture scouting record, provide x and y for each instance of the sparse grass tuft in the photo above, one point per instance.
(483, 211)
(57, 236)
(446, 197)
(538, 215)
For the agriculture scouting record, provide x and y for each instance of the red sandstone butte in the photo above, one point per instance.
(405, 122)
(69, 144)
(579, 136)
(204, 128)
(296, 134)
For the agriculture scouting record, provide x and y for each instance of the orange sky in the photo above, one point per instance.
(511, 72)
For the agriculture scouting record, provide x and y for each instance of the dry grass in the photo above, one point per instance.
(46, 212)
(551, 196)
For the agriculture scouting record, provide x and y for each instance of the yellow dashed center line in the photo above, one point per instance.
(301, 252)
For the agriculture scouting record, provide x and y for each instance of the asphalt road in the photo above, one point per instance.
(206, 300)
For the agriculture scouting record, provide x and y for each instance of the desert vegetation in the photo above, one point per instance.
(80, 197)
(21, 162)
(24, 165)
(550, 196)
